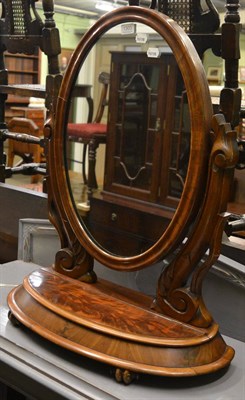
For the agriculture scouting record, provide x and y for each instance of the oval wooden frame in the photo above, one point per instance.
(200, 112)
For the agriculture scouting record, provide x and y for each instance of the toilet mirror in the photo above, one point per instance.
(149, 171)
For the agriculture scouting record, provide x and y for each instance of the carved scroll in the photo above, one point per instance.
(174, 296)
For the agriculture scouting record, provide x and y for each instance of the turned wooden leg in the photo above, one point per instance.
(92, 182)
(36, 159)
(10, 155)
(85, 181)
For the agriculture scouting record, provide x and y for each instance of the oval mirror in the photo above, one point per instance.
(141, 198)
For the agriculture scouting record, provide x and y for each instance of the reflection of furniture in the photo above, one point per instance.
(28, 152)
(80, 91)
(147, 151)
(123, 228)
(24, 32)
(91, 134)
(146, 144)
(173, 333)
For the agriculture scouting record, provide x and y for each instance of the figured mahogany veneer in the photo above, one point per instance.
(109, 323)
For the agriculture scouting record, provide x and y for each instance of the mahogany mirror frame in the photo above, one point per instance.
(200, 114)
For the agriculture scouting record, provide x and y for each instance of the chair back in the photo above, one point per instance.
(192, 15)
(104, 79)
(23, 125)
(23, 31)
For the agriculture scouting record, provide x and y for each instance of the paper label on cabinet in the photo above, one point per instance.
(141, 38)
(153, 52)
(128, 29)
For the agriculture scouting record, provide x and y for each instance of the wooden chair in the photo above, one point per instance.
(28, 152)
(23, 31)
(190, 15)
(91, 134)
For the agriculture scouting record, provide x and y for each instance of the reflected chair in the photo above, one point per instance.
(91, 134)
(23, 32)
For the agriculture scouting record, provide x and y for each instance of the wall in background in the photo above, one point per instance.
(210, 60)
(67, 25)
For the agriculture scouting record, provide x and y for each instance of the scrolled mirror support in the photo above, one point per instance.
(173, 296)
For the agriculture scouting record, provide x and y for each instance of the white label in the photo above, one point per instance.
(141, 38)
(128, 29)
(153, 52)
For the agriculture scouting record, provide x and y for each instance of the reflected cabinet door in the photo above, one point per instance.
(140, 125)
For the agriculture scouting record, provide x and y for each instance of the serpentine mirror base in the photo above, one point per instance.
(109, 323)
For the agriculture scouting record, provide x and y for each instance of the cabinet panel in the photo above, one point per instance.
(148, 129)
(122, 229)
(136, 117)
(176, 142)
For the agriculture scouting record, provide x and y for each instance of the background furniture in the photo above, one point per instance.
(91, 134)
(24, 32)
(23, 203)
(24, 69)
(37, 115)
(27, 152)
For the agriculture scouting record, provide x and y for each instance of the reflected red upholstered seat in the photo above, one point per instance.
(87, 129)
(91, 134)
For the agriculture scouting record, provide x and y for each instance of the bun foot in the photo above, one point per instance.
(13, 319)
(125, 376)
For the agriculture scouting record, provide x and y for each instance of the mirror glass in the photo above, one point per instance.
(141, 142)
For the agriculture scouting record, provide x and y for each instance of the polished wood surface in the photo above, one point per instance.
(110, 313)
(143, 341)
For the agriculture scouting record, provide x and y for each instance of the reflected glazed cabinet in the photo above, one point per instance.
(147, 152)
(148, 129)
